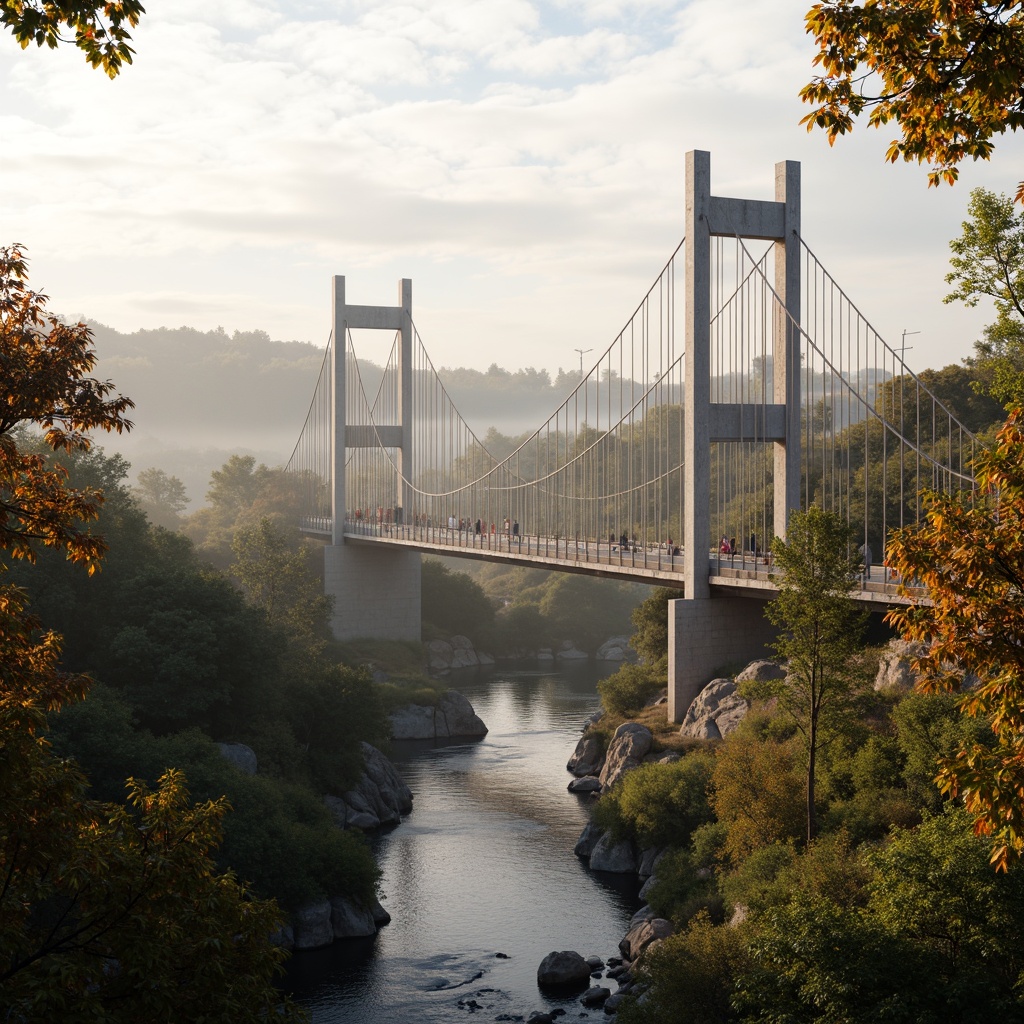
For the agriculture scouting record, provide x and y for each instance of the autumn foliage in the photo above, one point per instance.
(99, 27)
(107, 911)
(948, 74)
(969, 557)
(44, 365)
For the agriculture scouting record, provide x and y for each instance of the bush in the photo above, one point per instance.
(684, 888)
(626, 691)
(691, 977)
(659, 805)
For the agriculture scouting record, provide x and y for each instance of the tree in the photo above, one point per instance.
(949, 75)
(106, 911)
(100, 27)
(756, 794)
(820, 627)
(967, 555)
(650, 627)
(44, 365)
(988, 260)
(163, 498)
(277, 578)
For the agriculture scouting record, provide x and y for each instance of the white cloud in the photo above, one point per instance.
(523, 162)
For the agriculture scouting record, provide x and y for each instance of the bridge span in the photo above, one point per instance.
(743, 386)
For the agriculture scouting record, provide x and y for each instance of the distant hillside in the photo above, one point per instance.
(202, 396)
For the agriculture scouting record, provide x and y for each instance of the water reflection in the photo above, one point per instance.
(480, 879)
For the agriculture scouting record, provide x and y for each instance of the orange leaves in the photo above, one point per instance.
(101, 29)
(969, 556)
(44, 383)
(950, 75)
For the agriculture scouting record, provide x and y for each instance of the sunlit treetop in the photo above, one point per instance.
(97, 28)
(44, 383)
(948, 73)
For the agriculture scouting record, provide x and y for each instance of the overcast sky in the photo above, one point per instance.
(521, 161)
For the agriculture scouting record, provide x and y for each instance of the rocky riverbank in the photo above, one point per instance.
(452, 717)
(716, 712)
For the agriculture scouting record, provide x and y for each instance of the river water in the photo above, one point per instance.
(480, 879)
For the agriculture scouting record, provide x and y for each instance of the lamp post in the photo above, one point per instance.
(903, 347)
(582, 352)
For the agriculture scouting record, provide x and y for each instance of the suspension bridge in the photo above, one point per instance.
(744, 385)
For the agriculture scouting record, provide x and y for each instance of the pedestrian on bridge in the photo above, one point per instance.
(867, 556)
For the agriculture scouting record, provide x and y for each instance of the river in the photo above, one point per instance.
(480, 879)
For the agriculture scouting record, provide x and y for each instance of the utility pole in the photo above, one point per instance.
(903, 347)
(582, 352)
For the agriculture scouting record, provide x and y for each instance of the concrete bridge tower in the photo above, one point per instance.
(376, 589)
(705, 632)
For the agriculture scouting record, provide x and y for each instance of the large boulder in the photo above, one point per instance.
(614, 649)
(566, 969)
(350, 921)
(570, 652)
(311, 926)
(380, 797)
(629, 746)
(615, 858)
(895, 668)
(463, 652)
(648, 860)
(453, 716)
(588, 756)
(241, 756)
(595, 996)
(761, 672)
(642, 933)
(456, 717)
(715, 712)
(588, 840)
(439, 655)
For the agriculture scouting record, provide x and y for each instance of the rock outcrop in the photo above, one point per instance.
(588, 757)
(457, 652)
(715, 712)
(566, 969)
(452, 717)
(614, 649)
(588, 784)
(349, 921)
(587, 841)
(570, 652)
(629, 746)
(761, 672)
(615, 858)
(241, 756)
(380, 798)
(895, 669)
(311, 926)
(644, 929)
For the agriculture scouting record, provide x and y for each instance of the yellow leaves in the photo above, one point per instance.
(949, 75)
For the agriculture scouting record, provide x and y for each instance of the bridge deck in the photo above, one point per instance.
(739, 574)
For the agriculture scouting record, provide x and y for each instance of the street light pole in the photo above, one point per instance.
(903, 347)
(582, 352)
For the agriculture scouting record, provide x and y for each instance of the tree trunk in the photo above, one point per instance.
(812, 750)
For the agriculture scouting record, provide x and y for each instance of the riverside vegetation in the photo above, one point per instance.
(889, 907)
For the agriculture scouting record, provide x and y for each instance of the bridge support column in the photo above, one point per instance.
(376, 592)
(376, 589)
(709, 637)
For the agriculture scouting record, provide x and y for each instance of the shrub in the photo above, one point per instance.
(626, 691)
(659, 804)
